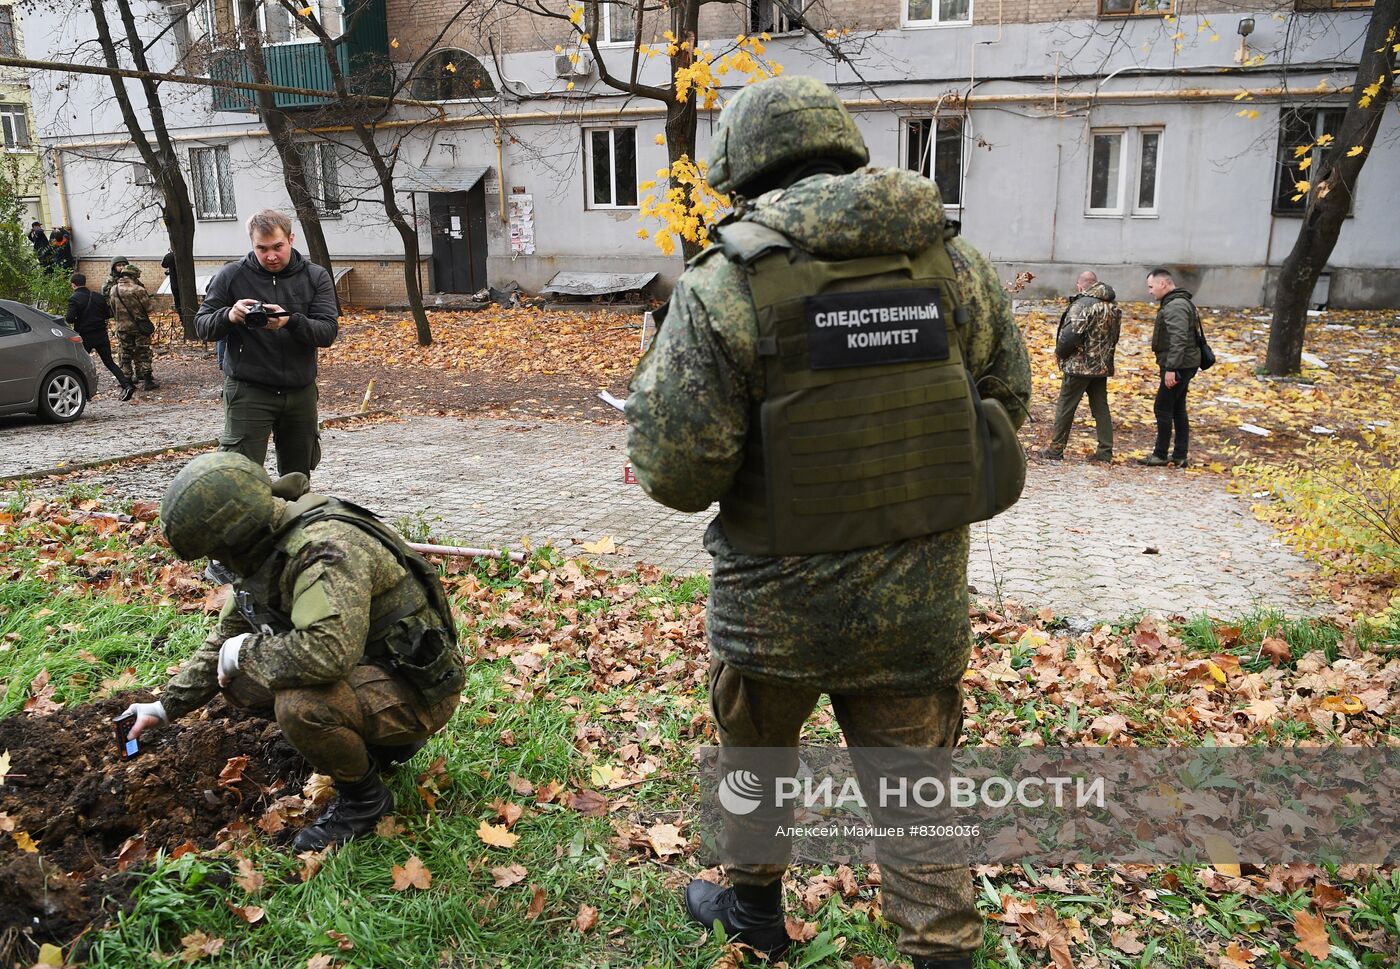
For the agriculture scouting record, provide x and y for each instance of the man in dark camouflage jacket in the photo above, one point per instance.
(1084, 347)
(884, 628)
(334, 626)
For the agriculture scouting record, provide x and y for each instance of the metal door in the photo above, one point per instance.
(458, 221)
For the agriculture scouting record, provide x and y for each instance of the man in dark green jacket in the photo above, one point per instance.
(269, 360)
(1174, 341)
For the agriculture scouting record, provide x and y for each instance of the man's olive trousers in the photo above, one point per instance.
(253, 412)
(1072, 391)
(931, 902)
(332, 726)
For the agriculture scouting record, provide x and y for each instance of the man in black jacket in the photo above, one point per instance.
(270, 359)
(88, 314)
(1175, 341)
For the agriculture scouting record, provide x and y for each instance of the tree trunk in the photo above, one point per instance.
(283, 139)
(682, 118)
(162, 159)
(1333, 190)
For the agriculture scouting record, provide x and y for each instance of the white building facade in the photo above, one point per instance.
(1125, 136)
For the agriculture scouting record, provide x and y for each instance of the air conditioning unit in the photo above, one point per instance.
(577, 64)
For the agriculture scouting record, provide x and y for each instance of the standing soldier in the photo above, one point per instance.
(820, 374)
(1085, 344)
(131, 309)
(335, 627)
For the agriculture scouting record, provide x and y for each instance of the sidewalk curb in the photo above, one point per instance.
(171, 449)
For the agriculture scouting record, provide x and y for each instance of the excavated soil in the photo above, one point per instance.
(82, 805)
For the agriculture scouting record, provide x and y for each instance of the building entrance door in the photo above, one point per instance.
(458, 221)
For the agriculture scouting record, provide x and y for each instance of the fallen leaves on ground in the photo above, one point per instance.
(496, 835)
(412, 874)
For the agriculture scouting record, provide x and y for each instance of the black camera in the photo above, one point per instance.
(258, 315)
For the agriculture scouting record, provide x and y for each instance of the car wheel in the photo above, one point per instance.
(63, 397)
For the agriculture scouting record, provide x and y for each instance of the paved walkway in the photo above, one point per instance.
(1078, 541)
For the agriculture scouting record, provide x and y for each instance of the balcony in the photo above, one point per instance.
(362, 53)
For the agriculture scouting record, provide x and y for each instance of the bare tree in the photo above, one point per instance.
(682, 20)
(362, 116)
(1333, 188)
(161, 157)
(281, 130)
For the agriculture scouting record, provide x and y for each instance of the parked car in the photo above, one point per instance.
(43, 367)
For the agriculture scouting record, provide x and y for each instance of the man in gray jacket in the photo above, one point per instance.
(1174, 341)
(274, 309)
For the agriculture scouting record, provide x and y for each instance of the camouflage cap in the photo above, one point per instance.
(218, 504)
(776, 124)
(120, 261)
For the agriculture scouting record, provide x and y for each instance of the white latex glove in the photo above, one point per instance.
(148, 715)
(228, 658)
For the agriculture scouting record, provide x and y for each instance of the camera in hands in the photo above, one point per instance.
(258, 315)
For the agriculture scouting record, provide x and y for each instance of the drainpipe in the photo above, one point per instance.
(62, 187)
(501, 172)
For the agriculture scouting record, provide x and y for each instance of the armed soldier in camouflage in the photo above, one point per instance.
(844, 376)
(1085, 343)
(334, 626)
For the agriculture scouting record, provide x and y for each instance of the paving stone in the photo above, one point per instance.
(1074, 542)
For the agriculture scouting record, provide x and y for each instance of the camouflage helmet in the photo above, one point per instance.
(776, 124)
(218, 504)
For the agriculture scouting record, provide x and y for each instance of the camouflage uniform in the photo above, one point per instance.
(1084, 348)
(882, 629)
(329, 698)
(130, 303)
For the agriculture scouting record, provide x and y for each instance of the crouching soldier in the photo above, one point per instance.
(335, 627)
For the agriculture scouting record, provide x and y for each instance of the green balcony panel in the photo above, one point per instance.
(362, 53)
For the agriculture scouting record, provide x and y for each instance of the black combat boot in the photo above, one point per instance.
(752, 914)
(387, 758)
(956, 962)
(127, 389)
(150, 384)
(355, 812)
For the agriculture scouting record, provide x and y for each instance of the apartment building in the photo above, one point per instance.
(16, 122)
(1111, 134)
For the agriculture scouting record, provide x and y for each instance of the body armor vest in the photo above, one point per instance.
(412, 632)
(871, 429)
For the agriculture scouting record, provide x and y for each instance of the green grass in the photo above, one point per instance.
(463, 920)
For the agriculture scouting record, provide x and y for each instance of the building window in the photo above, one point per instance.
(15, 126)
(1149, 148)
(925, 13)
(211, 22)
(611, 163)
(1124, 160)
(141, 175)
(7, 32)
(1298, 127)
(614, 21)
(280, 25)
(213, 183)
(933, 148)
(1135, 8)
(321, 164)
(452, 75)
(775, 16)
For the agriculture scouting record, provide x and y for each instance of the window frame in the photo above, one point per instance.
(1137, 209)
(613, 206)
(313, 160)
(602, 27)
(1117, 211)
(444, 51)
(7, 30)
(934, 21)
(906, 134)
(1285, 161)
(228, 206)
(792, 28)
(1170, 10)
(14, 116)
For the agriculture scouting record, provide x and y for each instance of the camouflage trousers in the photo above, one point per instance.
(931, 902)
(133, 353)
(333, 726)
